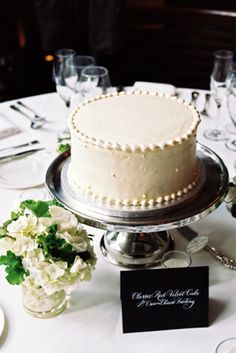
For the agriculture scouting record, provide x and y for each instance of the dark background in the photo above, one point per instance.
(137, 40)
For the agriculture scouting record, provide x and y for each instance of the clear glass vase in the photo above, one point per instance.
(39, 304)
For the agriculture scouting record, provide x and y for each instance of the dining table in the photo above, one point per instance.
(92, 321)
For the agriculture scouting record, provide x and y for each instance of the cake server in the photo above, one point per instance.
(20, 154)
(226, 260)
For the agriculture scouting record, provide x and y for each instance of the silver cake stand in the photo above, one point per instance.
(136, 236)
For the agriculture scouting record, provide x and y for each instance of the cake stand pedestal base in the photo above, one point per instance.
(135, 249)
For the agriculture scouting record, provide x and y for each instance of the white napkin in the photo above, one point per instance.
(156, 87)
(7, 128)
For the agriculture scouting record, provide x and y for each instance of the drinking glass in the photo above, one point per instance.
(94, 80)
(227, 346)
(220, 82)
(231, 105)
(77, 63)
(175, 258)
(65, 77)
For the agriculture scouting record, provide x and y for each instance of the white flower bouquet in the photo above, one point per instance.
(44, 248)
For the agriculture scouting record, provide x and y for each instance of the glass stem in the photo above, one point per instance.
(218, 115)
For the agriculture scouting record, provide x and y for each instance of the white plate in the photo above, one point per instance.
(26, 172)
(156, 87)
(2, 321)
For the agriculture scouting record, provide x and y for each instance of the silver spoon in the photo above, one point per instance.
(35, 124)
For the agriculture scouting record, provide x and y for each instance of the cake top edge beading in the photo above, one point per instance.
(135, 148)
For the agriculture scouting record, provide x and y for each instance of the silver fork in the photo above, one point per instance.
(227, 261)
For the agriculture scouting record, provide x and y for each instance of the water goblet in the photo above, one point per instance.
(94, 80)
(220, 82)
(231, 105)
(78, 63)
(64, 77)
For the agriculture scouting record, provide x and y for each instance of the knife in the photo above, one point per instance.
(20, 154)
(19, 146)
(226, 260)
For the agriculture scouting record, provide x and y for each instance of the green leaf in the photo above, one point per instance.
(14, 217)
(57, 248)
(63, 147)
(14, 268)
(38, 208)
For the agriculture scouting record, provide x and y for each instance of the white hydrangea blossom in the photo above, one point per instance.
(65, 220)
(25, 225)
(44, 272)
(6, 244)
(77, 241)
(22, 245)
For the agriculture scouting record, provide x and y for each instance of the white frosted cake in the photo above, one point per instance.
(136, 148)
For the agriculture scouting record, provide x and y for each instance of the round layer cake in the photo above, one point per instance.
(136, 148)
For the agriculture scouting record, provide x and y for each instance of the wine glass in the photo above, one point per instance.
(231, 105)
(220, 81)
(78, 63)
(94, 80)
(65, 77)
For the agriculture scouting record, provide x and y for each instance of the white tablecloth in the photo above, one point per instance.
(92, 322)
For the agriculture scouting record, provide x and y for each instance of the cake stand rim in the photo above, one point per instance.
(146, 223)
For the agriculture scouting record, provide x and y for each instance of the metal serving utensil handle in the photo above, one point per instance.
(224, 259)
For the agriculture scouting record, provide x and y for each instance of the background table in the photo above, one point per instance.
(92, 321)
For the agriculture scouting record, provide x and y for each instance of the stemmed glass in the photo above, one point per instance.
(220, 85)
(94, 80)
(231, 105)
(78, 63)
(65, 77)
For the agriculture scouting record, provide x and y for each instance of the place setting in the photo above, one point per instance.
(24, 165)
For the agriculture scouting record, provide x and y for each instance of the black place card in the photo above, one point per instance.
(163, 299)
